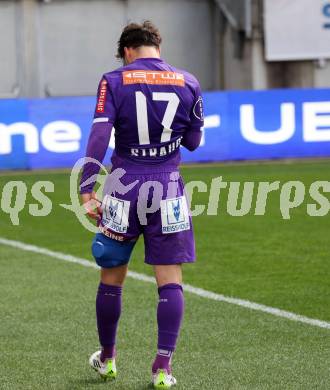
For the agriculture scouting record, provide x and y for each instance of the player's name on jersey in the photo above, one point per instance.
(153, 77)
(158, 151)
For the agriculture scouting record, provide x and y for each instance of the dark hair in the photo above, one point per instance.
(135, 35)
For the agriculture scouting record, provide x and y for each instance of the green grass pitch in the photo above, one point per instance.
(47, 324)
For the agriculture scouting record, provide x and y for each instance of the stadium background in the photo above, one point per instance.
(261, 103)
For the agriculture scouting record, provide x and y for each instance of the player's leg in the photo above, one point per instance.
(114, 276)
(169, 273)
(113, 257)
(108, 308)
(112, 248)
(169, 313)
(169, 242)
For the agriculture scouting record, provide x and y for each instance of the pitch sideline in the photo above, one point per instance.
(193, 290)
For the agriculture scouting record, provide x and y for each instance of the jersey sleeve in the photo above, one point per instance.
(192, 137)
(197, 111)
(97, 146)
(105, 110)
(98, 142)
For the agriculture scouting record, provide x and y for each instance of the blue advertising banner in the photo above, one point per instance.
(51, 133)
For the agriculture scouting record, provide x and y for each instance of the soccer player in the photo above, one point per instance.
(153, 109)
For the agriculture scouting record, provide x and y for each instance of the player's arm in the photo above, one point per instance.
(97, 146)
(192, 137)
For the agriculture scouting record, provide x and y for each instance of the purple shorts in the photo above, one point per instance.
(152, 204)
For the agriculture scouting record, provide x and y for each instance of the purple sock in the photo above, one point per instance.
(108, 309)
(169, 316)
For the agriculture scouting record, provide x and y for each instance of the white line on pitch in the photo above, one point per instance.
(194, 290)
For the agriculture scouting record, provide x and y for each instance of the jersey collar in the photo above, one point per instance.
(148, 59)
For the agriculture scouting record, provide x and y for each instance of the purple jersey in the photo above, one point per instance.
(154, 108)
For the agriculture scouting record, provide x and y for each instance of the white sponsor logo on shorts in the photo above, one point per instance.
(115, 214)
(175, 216)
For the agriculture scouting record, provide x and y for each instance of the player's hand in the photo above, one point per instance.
(92, 205)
